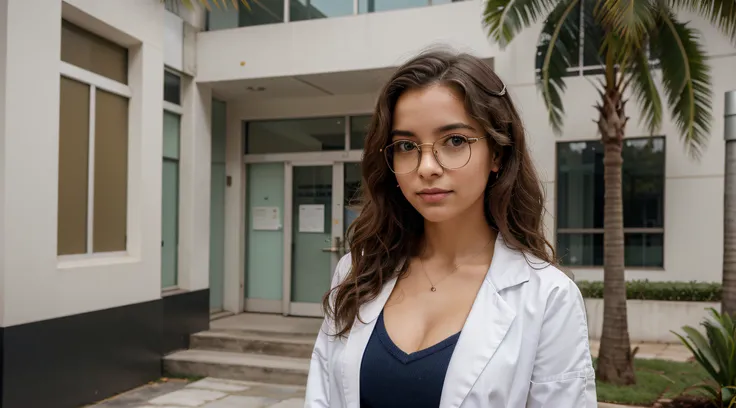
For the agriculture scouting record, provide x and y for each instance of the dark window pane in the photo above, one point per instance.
(644, 250)
(580, 249)
(640, 250)
(580, 185)
(358, 131)
(643, 183)
(569, 39)
(172, 88)
(73, 167)
(592, 37)
(295, 135)
(110, 205)
(261, 12)
(314, 9)
(93, 53)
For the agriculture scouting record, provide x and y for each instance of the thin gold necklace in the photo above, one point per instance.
(433, 286)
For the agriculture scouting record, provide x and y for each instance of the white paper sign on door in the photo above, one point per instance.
(312, 218)
(266, 219)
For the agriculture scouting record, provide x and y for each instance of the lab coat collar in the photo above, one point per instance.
(486, 326)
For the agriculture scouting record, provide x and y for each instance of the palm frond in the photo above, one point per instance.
(645, 90)
(721, 13)
(503, 19)
(559, 38)
(629, 19)
(686, 79)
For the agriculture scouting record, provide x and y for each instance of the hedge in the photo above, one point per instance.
(647, 290)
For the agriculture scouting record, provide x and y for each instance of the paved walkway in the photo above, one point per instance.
(659, 351)
(209, 393)
(219, 393)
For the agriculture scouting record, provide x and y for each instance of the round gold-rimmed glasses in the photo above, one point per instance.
(451, 152)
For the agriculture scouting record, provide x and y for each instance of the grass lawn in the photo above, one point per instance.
(655, 379)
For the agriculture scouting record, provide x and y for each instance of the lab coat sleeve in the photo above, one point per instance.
(318, 380)
(563, 374)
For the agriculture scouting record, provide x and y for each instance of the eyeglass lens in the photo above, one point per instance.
(451, 152)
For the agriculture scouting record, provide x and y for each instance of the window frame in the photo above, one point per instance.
(95, 81)
(581, 69)
(600, 231)
(178, 110)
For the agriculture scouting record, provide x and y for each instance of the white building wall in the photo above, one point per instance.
(693, 190)
(38, 285)
(346, 43)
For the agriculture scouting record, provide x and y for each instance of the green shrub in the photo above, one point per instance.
(716, 353)
(648, 290)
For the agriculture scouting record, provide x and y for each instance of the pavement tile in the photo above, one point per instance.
(290, 403)
(162, 406)
(190, 397)
(219, 385)
(237, 401)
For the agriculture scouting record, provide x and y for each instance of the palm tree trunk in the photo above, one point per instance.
(615, 361)
(728, 302)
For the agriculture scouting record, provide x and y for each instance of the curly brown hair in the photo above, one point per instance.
(389, 230)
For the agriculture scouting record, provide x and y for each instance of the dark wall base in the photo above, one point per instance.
(184, 314)
(81, 359)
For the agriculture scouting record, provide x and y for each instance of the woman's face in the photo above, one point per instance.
(437, 114)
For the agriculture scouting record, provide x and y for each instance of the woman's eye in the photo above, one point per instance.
(405, 146)
(456, 141)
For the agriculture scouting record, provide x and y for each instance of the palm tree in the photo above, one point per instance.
(628, 36)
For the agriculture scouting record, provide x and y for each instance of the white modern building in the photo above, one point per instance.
(159, 164)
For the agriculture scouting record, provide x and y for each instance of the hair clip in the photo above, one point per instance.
(501, 93)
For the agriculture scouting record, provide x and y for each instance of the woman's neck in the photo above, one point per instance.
(458, 240)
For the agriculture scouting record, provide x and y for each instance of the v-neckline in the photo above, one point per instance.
(400, 354)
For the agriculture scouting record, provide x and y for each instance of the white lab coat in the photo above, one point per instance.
(524, 344)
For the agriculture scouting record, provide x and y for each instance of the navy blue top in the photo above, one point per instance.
(391, 378)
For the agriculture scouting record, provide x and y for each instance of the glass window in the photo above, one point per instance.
(358, 131)
(314, 9)
(93, 53)
(171, 135)
(295, 135)
(261, 12)
(73, 167)
(111, 172)
(580, 201)
(172, 88)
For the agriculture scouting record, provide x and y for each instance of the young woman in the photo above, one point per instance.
(449, 296)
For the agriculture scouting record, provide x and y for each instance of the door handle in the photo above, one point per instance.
(337, 248)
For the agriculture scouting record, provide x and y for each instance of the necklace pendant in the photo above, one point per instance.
(433, 289)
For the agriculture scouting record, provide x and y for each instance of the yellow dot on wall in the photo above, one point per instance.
(242, 63)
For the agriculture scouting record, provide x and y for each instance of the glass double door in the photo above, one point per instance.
(316, 211)
(320, 212)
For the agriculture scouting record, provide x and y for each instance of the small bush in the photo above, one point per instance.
(648, 290)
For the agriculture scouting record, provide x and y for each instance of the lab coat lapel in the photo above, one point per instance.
(486, 326)
(357, 341)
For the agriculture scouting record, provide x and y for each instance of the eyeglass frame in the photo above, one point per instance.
(471, 141)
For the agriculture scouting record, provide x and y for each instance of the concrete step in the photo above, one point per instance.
(276, 344)
(238, 366)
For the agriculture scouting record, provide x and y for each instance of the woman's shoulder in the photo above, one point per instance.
(542, 279)
(342, 269)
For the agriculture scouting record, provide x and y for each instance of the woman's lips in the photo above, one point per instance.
(434, 195)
